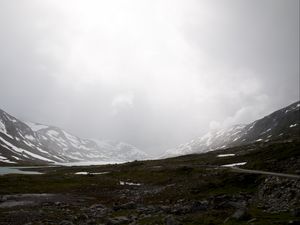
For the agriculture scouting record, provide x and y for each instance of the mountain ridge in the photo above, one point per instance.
(282, 122)
(24, 141)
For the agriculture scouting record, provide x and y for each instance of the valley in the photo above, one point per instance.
(164, 112)
(244, 174)
(190, 189)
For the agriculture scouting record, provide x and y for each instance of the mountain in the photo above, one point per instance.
(27, 142)
(284, 123)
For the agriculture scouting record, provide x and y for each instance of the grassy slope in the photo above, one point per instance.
(165, 182)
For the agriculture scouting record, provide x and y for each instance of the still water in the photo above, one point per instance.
(16, 170)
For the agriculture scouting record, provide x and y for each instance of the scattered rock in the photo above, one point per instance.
(97, 206)
(3, 198)
(279, 194)
(83, 217)
(295, 212)
(170, 220)
(91, 222)
(294, 222)
(118, 220)
(241, 214)
(66, 222)
(252, 220)
(128, 205)
(199, 206)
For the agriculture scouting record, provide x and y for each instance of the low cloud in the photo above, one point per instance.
(122, 102)
(151, 73)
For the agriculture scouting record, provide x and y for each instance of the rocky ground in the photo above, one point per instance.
(192, 189)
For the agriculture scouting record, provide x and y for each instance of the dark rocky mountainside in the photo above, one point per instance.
(280, 124)
(27, 142)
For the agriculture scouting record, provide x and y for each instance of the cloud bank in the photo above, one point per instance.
(152, 73)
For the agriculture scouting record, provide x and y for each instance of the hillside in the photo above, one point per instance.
(188, 190)
(26, 142)
(280, 124)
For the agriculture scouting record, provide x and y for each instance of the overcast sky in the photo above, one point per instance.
(151, 73)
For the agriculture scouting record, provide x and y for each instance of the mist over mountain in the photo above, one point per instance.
(161, 112)
(25, 142)
(150, 73)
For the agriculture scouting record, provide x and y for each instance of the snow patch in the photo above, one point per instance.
(12, 147)
(29, 137)
(234, 164)
(292, 109)
(252, 126)
(41, 150)
(4, 159)
(29, 144)
(23, 151)
(225, 155)
(2, 127)
(35, 126)
(129, 183)
(88, 173)
(72, 139)
(236, 139)
(266, 131)
(15, 157)
(37, 156)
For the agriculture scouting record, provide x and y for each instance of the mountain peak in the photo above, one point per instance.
(23, 142)
(282, 123)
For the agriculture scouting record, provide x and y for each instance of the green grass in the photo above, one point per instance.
(185, 178)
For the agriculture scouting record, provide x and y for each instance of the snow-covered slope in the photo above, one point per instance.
(283, 123)
(32, 142)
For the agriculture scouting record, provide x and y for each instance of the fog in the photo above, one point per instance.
(151, 73)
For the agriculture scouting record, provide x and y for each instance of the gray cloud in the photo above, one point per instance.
(154, 74)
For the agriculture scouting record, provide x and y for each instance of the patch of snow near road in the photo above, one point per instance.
(234, 164)
(129, 183)
(225, 155)
(88, 173)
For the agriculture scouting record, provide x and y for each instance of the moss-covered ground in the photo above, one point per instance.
(168, 182)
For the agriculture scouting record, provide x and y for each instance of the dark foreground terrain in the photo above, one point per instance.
(193, 189)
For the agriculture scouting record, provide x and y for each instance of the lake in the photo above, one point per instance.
(17, 170)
